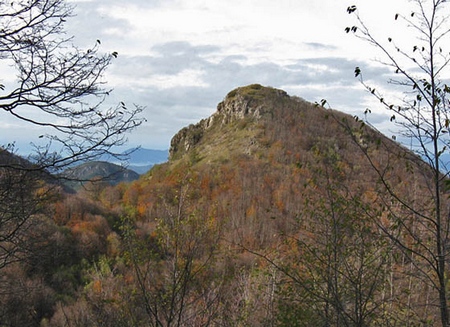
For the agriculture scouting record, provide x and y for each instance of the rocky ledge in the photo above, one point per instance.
(247, 101)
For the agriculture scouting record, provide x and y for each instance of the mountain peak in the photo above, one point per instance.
(252, 101)
(247, 101)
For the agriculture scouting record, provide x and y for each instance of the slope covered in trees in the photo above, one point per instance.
(268, 213)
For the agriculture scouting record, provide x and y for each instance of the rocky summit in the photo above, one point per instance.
(244, 102)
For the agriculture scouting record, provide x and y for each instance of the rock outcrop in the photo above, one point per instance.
(248, 101)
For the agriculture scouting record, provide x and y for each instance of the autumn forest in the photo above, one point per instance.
(273, 211)
(269, 213)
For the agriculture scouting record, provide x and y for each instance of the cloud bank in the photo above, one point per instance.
(180, 58)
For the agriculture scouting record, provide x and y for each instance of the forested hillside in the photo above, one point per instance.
(271, 212)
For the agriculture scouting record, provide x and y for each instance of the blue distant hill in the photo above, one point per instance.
(145, 156)
(141, 160)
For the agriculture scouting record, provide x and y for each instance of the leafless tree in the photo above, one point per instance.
(60, 89)
(420, 69)
(58, 86)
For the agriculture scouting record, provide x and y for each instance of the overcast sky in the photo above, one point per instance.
(179, 58)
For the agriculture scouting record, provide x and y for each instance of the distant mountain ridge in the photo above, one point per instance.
(100, 170)
(139, 159)
(142, 156)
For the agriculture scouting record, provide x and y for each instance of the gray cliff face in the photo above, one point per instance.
(186, 138)
(248, 101)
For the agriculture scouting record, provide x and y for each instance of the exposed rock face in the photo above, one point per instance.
(186, 138)
(248, 101)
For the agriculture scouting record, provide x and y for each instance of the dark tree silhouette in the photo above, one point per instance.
(423, 115)
(60, 89)
(58, 86)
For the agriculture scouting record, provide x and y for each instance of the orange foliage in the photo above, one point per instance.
(97, 286)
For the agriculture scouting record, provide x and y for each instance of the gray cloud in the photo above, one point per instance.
(90, 25)
(320, 46)
(169, 109)
(139, 79)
